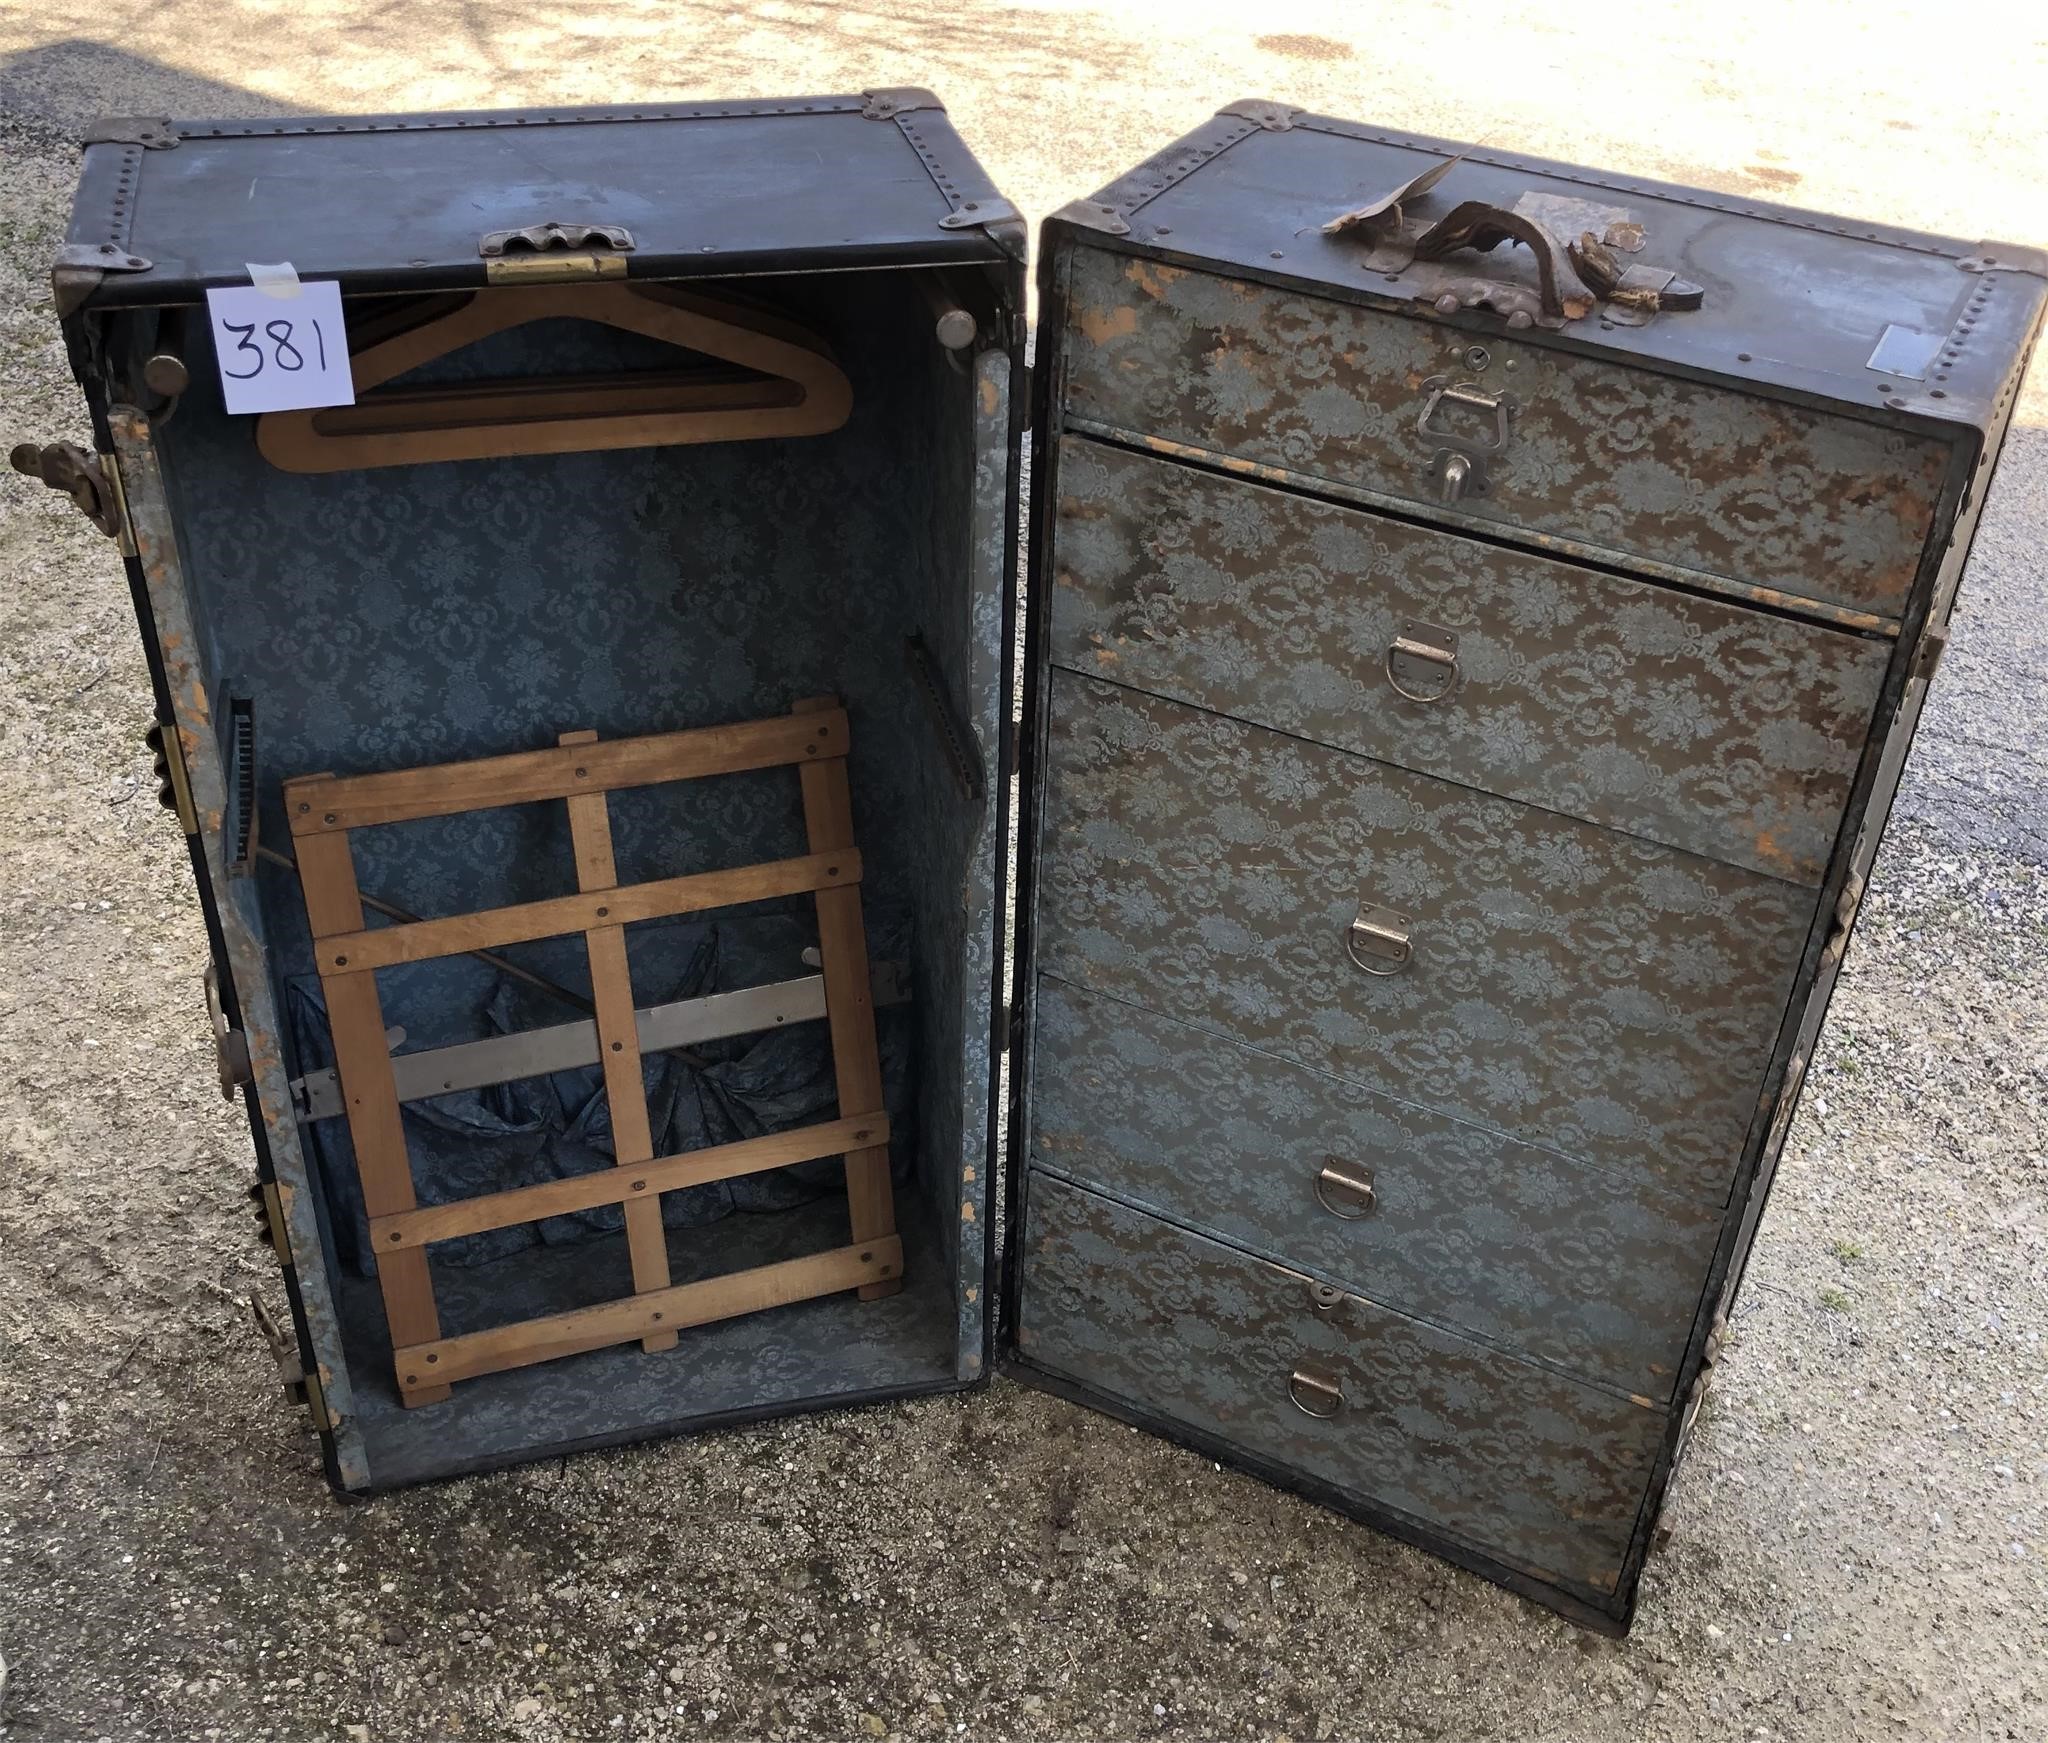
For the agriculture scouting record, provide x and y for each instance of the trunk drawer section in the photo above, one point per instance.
(1520, 1246)
(1564, 984)
(1524, 1464)
(1705, 725)
(1640, 468)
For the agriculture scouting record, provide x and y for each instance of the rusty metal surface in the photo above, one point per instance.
(1509, 1458)
(1729, 732)
(170, 603)
(1569, 986)
(1511, 1243)
(1637, 464)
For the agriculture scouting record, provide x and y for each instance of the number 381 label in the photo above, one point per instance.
(281, 353)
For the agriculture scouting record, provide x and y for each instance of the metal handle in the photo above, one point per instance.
(1432, 646)
(1470, 394)
(1315, 1394)
(1348, 1178)
(1383, 935)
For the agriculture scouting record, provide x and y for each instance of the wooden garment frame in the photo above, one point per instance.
(769, 378)
(580, 770)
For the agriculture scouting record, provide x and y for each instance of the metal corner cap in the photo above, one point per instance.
(157, 132)
(1093, 215)
(888, 101)
(1274, 117)
(2004, 257)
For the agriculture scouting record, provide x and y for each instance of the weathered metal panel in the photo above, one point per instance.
(1729, 732)
(1755, 493)
(1575, 1265)
(1515, 1460)
(1568, 986)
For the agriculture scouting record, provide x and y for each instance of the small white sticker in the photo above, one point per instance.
(281, 352)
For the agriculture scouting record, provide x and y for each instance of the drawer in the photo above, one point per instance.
(1516, 1244)
(1714, 727)
(1566, 985)
(1536, 1469)
(1640, 468)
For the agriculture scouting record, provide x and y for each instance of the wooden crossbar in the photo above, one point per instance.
(319, 803)
(350, 953)
(431, 1366)
(531, 1204)
(581, 771)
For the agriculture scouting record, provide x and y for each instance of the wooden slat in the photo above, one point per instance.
(432, 1365)
(526, 1204)
(849, 999)
(355, 1019)
(318, 803)
(353, 953)
(618, 1040)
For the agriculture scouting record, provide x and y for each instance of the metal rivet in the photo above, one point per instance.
(639, 1186)
(412, 1379)
(602, 912)
(304, 808)
(1743, 357)
(396, 1236)
(329, 818)
(865, 1257)
(657, 1319)
(341, 962)
(1937, 394)
(580, 773)
(618, 1046)
(432, 1359)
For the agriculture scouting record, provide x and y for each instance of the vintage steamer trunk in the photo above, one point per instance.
(1463, 688)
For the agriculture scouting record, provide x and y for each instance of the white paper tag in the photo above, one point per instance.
(281, 344)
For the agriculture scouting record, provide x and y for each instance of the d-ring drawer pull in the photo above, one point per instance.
(1345, 1189)
(1314, 1393)
(1426, 655)
(1378, 941)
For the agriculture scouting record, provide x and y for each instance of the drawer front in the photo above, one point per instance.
(1716, 728)
(1632, 464)
(1516, 1244)
(1534, 1468)
(1569, 986)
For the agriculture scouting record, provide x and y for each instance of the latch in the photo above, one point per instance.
(1459, 464)
(230, 1045)
(555, 253)
(88, 479)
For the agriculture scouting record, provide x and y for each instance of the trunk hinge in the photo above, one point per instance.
(173, 784)
(92, 481)
(1688, 1420)
(300, 1387)
(1927, 656)
(1846, 905)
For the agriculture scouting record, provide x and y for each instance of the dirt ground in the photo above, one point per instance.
(1860, 1546)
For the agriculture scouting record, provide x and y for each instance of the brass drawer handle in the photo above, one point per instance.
(1314, 1393)
(1378, 941)
(1345, 1189)
(1435, 650)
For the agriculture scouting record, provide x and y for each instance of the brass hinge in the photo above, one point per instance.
(173, 785)
(554, 268)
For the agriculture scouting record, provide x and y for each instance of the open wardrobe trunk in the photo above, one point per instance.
(1377, 902)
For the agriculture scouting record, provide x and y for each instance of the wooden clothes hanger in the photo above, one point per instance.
(779, 380)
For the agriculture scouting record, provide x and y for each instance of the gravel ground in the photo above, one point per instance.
(1860, 1548)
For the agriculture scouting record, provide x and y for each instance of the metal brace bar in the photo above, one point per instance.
(568, 1046)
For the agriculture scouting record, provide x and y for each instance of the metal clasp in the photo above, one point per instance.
(1382, 936)
(1459, 464)
(1430, 647)
(1315, 1393)
(1351, 1183)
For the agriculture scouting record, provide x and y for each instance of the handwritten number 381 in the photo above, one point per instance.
(283, 353)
